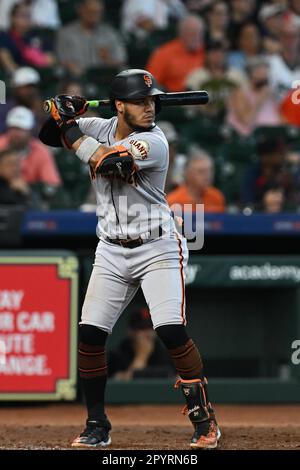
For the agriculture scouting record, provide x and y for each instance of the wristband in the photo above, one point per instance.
(72, 133)
(87, 148)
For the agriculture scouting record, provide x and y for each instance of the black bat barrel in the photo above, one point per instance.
(184, 98)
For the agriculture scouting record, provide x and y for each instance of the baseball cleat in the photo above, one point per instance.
(206, 435)
(93, 436)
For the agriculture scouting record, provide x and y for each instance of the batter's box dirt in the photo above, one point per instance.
(150, 438)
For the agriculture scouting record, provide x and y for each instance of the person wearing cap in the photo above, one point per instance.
(24, 92)
(37, 163)
(140, 353)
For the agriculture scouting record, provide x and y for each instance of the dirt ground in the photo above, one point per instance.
(150, 427)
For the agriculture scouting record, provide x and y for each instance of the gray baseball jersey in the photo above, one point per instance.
(132, 210)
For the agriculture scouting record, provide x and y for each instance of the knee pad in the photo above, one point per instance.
(92, 335)
(173, 336)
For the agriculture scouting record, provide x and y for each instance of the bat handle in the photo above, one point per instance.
(47, 105)
(93, 103)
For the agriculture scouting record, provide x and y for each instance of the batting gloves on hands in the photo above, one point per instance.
(64, 108)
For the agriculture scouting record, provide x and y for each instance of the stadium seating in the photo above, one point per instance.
(76, 181)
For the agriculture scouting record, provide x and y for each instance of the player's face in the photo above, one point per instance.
(140, 114)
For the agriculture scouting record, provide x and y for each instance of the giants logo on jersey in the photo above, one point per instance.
(139, 149)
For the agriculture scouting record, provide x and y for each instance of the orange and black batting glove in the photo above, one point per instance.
(64, 109)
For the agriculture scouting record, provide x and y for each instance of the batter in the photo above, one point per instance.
(139, 245)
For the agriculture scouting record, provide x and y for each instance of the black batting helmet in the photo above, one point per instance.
(134, 84)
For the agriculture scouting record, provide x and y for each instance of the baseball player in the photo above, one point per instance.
(139, 245)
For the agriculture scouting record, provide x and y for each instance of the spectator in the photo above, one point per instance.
(13, 188)
(273, 200)
(25, 92)
(71, 86)
(269, 174)
(174, 60)
(198, 188)
(44, 13)
(6, 6)
(141, 353)
(241, 12)
(37, 164)
(249, 44)
(217, 79)
(89, 42)
(176, 160)
(284, 67)
(270, 17)
(255, 105)
(21, 45)
(292, 15)
(142, 18)
(217, 23)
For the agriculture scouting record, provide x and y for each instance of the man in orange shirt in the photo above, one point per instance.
(37, 163)
(172, 62)
(198, 187)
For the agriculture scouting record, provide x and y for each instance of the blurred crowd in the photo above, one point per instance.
(240, 152)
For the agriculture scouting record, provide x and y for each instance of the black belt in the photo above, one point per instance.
(126, 243)
(129, 242)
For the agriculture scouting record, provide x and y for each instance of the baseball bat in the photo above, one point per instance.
(177, 98)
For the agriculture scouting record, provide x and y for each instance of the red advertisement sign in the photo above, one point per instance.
(38, 321)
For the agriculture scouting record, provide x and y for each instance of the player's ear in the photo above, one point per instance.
(120, 106)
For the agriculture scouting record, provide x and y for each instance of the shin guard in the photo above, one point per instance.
(197, 406)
